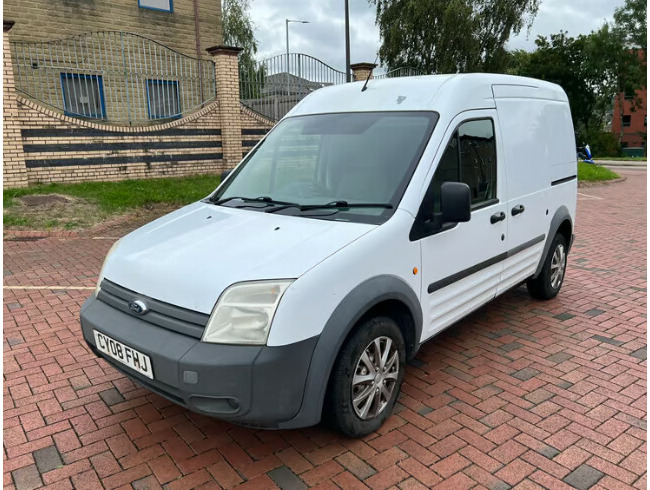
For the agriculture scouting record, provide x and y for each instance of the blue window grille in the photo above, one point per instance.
(83, 95)
(160, 5)
(163, 101)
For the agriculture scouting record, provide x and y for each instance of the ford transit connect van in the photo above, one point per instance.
(362, 225)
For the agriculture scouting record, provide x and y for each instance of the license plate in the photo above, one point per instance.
(126, 355)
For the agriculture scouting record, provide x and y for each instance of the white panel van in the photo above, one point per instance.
(362, 225)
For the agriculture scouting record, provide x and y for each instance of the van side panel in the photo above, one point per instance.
(539, 149)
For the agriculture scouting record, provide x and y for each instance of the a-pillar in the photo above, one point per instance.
(226, 61)
(360, 71)
(13, 157)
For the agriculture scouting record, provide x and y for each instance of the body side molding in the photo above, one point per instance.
(564, 180)
(435, 286)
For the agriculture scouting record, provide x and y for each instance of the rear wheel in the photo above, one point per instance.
(550, 279)
(366, 378)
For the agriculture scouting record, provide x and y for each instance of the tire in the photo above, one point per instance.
(550, 280)
(377, 393)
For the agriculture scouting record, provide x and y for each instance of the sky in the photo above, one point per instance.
(324, 36)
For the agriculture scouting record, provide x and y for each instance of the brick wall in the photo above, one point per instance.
(633, 134)
(13, 159)
(44, 20)
(58, 148)
(42, 145)
(253, 128)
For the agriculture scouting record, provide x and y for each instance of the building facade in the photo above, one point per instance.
(634, 121)
(187, 26)
(128, 62)
(630, 118)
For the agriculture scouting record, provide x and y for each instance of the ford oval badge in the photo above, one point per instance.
(138, 307)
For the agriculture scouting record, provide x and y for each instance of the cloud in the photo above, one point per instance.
(575, 16)
(324, 36)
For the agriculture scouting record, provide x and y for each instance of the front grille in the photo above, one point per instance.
(181, 320)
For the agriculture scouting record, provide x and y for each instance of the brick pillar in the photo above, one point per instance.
(226, 61)
(13, 157)
(360, 71)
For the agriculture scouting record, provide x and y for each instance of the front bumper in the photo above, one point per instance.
(252, 385)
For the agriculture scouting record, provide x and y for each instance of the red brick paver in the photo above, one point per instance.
(523, 393)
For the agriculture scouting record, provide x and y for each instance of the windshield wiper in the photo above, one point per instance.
(264, 199)
(332, 205)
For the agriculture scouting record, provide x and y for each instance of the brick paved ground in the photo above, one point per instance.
(522, 394)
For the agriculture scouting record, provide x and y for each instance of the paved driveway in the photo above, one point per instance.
(521, 394)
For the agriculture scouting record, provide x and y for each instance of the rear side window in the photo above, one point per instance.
(470, 157)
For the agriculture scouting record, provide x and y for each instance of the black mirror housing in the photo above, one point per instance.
(455, 202)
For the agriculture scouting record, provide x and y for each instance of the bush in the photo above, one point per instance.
(602, 143)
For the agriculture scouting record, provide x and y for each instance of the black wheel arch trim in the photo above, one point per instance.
(347, 314)
(561, 215)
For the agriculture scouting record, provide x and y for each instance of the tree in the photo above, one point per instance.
(632, 21)
(448, 36)
(238, 31)
(621, 68)
(594, 70)
(561, 59)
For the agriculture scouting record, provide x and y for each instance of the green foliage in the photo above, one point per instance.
(618, 68)
(238, 30)
(593, 69)
(449, 36)
(632, 21)
(251, 81)
(14, 220)
(562, 59)
(588, 172)
(603, 144)
(114, 197)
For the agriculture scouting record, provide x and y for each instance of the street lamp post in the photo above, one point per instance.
(347, 42)
(287, 32)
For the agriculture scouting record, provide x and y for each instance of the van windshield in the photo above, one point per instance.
(347, 166)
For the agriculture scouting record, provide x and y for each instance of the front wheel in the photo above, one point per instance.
(366, 378)
(550, 279)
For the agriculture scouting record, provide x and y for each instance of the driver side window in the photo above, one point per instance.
(470, 157)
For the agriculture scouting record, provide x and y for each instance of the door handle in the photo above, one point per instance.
(495, 218)
(518, 209)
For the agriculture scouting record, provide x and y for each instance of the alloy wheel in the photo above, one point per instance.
(375, 378)
(558, 265)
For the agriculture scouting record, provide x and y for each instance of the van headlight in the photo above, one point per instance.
(101, 274)
(244, 313)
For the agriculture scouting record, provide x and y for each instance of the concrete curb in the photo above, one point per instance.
(622, 163)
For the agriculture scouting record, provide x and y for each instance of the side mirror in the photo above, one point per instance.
(225, 174)
(455, 202)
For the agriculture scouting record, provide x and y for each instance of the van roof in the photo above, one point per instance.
(441, 93)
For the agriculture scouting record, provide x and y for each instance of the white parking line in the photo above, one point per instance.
(52, 288)
(589, 197)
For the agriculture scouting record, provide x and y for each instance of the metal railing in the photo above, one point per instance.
(115, 76)
(405, 71)
(273, 86)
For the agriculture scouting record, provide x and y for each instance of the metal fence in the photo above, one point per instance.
(405, 71)
(273, 86)
(114, 76)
